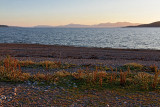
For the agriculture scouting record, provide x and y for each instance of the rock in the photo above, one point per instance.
(35, 83)
(15, 89)
(73, 105)
(14, 94)
(8, 100)
(3, 97)
(0, 101)
(125, 102)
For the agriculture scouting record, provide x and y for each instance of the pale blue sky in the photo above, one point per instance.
(60, 12)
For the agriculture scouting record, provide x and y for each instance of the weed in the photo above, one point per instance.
(142, 80)
(123, 76)
(157, 72)
(133, 66)
(94, 75)
(80, 73)
(10, 70)
(101, 76)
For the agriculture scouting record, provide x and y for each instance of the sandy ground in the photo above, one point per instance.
(80, 55)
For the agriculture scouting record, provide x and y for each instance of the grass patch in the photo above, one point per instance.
(10, 71)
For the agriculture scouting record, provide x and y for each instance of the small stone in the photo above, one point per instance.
(73, 105)
(29, 83)
(19, 85)
(42, 83)
(125, 102)
(3, 97)
(15, 94)
(75, 85)
(15, 89)
(9, 100)
(35, 83)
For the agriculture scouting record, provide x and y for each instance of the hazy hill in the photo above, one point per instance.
(118, 24)
(101, 25)
(74, 26)
(154, 24)
(4, 26)
(43, 26)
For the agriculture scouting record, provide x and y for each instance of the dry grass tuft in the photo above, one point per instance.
(123, 76)
(94, 74)
(50, 65)
(142, 79)
(26, 63)
(80, 73)
(101, 75)
(62, 73)
(135, 65)
(111, 79)
(157, 72)
(11, 70)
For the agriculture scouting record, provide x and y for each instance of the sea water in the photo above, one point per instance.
(132, 38)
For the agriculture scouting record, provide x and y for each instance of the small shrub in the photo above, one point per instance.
(11, 70)
(25, 76)
(62, 73)
(39, 77)
(153, 68)
(133, 66)
(142, 80)
(50, 65)
(27, 63)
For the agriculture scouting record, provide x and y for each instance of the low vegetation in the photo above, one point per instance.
(129, 77)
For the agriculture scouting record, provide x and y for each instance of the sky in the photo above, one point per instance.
(61, 12)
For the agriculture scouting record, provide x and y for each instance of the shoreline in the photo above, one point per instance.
(80, 55)
(56, 45)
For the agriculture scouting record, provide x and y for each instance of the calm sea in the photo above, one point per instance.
(134, 38)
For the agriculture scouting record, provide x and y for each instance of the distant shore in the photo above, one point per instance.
(80, 55)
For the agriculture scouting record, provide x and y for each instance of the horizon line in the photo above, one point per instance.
(75, 24)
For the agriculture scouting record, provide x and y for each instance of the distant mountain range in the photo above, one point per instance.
(154, 24)
(101, 25)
